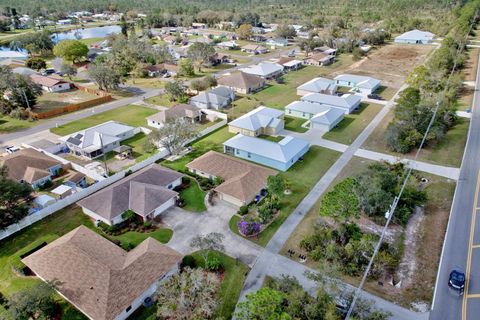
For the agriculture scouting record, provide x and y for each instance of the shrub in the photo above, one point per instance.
(47, 184)
(147, 224)
(243, 210)
(188, 261)
(213, 264)
(248, 228)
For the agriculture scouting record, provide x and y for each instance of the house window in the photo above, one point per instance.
(128, 308)
(169, 186)
(303, 114)
(289, 111)
(249, 155)
(237, 151)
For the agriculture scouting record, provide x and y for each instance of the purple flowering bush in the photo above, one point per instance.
(248, 228)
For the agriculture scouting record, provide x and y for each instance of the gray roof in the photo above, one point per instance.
(346, 101)
(24, 71)
(282, 151)
(222, 91)
(263, 69)
(142, 192)
(328, 117)
(90, 137)
(208, 97)
(359, 81)
(318, 85)
(260, 117)
(416, 35)
(307, 107)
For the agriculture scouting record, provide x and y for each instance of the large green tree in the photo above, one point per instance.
(265, 304)
(35, 302)
(104, 75)
(71, 50)
(341, 202)
(200, 54)
(14, 199)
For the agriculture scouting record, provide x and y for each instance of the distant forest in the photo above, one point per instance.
(430, 14)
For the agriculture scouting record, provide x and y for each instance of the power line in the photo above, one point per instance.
(394, 204)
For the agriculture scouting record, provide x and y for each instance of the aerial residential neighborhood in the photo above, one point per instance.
(239, 160)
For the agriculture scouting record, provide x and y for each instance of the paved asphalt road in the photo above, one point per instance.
(461, 250)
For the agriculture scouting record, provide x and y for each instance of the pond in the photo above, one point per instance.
(85, 33)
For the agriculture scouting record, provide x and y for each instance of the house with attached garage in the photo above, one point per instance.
(186, 112)
(278, 155)
(346, 102)
(415, 37)
(327, 120)
(147, 192)
(243, 181)
(50, 84)
(317, 85)
(99, 278)
(254, 49)
(265, 70)
(31, 166)
(319, 59)
(261, 120)
(277, 42)
(217, 98)
(360, 84)
(93, 142)
(242, 82)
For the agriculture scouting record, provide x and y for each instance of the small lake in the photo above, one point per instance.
(96, 32)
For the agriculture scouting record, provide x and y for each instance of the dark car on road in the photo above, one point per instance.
(456, 281)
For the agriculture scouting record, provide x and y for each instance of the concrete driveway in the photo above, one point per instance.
(186, 225)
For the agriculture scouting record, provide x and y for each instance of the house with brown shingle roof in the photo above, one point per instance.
(147, 192)
(243, 180)
(319, 59)
(31, 166)
(180, 111)
(242, 82)
(100, 279)
(254, 49)
(50, 84)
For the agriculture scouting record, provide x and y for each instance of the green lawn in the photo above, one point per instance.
(302, 176)
(353, 124)
(194, 197)
(295, 124)
(8, 124)
(137, 142)
(90, 41)
(231, 286)
(131, 115)
(241, 106)
(213, 141)
(278, 95)
(271, 138)
(135, 238)
(150, 83)
(161, 100)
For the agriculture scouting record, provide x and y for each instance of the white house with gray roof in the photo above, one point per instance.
(346, 102)
(415, 37)
(95, 141)
(261, 120)
(327, 120)
(217, 98)
(360, 84)
(317, 85)
(278, 155)
(321, 116)
(265, 70)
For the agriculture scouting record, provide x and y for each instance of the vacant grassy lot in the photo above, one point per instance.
(353, 124)
(149, 83)
(8, 124)
(131, 115)
(213, 141)
(429, 242)
(302, 176)
(54, 100)
(448, 152)
(241, 106)
(295, 124)
(161, 100)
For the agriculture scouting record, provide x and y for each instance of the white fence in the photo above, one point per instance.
(60, 204)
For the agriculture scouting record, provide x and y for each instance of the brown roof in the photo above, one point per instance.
(98, 277)
(45, 81)
(241, 80)
(253, 47)
(319, 56)
(242, 179)
(28, 165)
(140, 192)
(77, 177)
(154, 68)
(177, 111)
(283, 60)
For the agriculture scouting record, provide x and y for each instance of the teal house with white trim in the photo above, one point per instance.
(278, 155)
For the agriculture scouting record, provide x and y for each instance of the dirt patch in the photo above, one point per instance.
(391, 63)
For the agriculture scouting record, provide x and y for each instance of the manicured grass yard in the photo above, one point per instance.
(448, 152)
(8, 124)
(271, 138)
(135, 238)
(90, 41)
(137, 142)
(194, 197)
(150, 83)
(131, 115)
(302, 176)
(295, 124)
(241, 106)
(353, 124)
(213, 141)
(161, 100)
